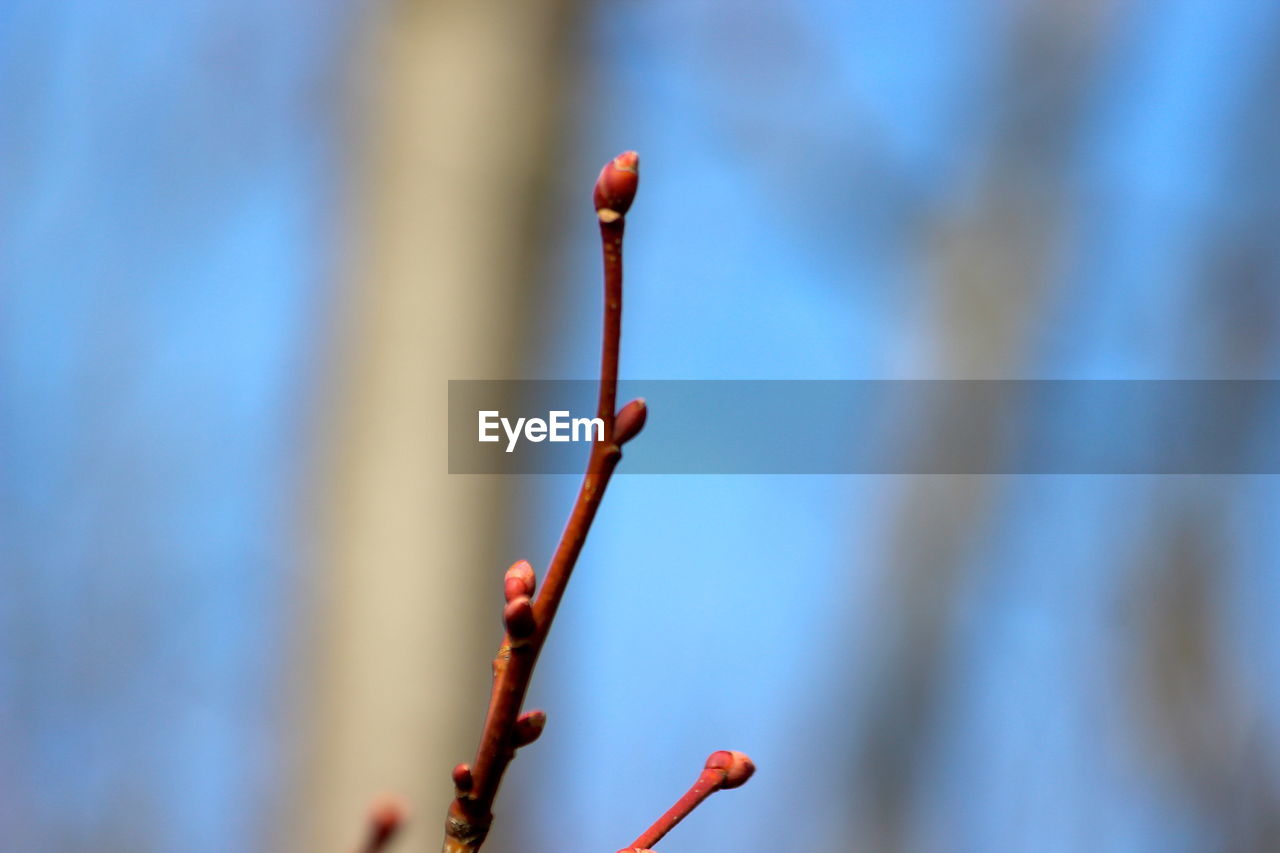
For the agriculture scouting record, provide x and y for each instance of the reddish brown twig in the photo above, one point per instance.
(723, 770)
(386, 816)
(528, 620)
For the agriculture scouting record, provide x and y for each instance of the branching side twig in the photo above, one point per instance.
(723, 770)
(383, 824)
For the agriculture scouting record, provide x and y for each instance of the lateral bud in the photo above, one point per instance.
(518, 617)
(629, 421)
(462, 779)
(737, 768)
(529, 726)
(519, 581)
(616, 186)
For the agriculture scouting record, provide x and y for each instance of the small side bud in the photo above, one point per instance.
(462, 779)
(518, 617)
(737, 768)
(629, 421)
(529, 726)
(616, 186)
(519, 581)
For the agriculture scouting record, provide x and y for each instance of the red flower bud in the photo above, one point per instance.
(736, 766)
(462, 779)
(518, 617)
(616, 186)
(629, 421)
(519, 581)
(528, 726)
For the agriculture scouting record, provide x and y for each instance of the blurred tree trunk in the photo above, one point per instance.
(990, 264)
(460, 104)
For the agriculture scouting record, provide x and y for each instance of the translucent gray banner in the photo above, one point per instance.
(877, 427)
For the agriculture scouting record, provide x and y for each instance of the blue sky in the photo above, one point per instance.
(168, 177)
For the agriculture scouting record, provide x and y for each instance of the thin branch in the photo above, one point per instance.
(386, 817)
(723, 770)
(527, 620)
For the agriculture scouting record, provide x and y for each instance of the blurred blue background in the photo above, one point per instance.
(1045, 189)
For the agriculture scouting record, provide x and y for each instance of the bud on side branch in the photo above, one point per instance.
(462, 779)
(630, 421)
(528, 726)
(518, 617)
(723, 769)
(737, 768)
(519, 581)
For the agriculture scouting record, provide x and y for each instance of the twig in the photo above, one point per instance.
(386, 817)
(527, 620)
(723, 770)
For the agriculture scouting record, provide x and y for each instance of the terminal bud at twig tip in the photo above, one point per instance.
(529, 726)
(462, 779)
(737, 767)
(629, 421)
(518, 617)
(519, 581)
(616, 186)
